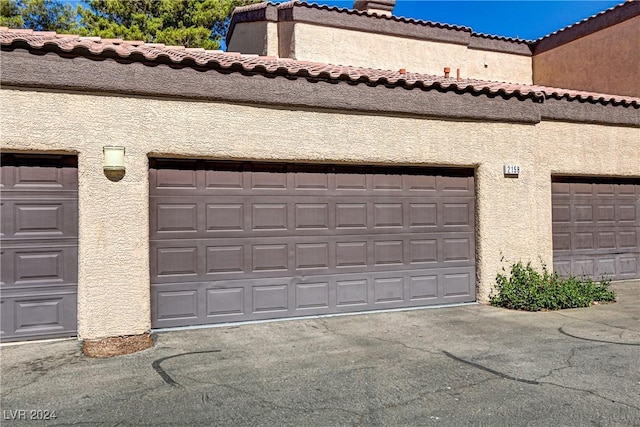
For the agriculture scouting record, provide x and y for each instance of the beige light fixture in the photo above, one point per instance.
(113, 158)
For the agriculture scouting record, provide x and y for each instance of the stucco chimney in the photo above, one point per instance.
(380, 7)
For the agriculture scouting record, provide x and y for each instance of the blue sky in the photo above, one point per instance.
(525, 19)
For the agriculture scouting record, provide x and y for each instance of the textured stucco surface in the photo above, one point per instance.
(347, 47)
(513, 215)
(323, 44)
(259, 38)
(503, 67)
(606, 61)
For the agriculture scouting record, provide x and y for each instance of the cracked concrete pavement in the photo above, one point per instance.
(472, 365)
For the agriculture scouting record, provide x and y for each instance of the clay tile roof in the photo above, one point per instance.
(503, 38)
(234, 61)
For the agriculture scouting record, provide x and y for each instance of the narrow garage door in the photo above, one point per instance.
(245, 241)
(39, 239)
(596, 227)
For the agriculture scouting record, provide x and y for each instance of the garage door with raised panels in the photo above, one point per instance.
(245, 241)
(39, 246)
(596, 227)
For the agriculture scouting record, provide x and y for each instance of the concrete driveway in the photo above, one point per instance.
(472, 365)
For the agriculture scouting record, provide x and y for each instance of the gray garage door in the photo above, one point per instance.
(596, 227)
(246, 241)
(39, 239)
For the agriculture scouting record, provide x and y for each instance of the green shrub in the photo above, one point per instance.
(528, 289)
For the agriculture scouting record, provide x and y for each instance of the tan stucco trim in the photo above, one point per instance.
(514, 215)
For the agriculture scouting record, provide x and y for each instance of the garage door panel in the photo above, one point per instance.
(583, 213)
(561, 212)
(596, 226)
(605, 213)
(311, 256)
(627, 213)
(34, 216)
(311, 181)
(388, 290)
(456, 284)
(606, 266)
(177, 305)
(627, 190)
(351, 215)
(562, 266)
(225, 259)
(282, 240)
(561, 242)
(180, 261)
(424, 251)
(175, 179)
(41, 173)
(456, 249)
(42, 312)
(606, 240)
(225, 217)
(458, 185)
(628, 239)
(629, 266)
(313, 216)
(37, 264)
(225, 302)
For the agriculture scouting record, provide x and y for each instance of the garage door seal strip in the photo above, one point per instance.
(319, 316)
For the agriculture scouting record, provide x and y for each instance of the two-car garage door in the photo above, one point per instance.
(234, 241)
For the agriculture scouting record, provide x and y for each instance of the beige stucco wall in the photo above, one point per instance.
(607, 61)
(347, 47)
(259, 38)
(513, 215)
(310, 42)
(497, 66)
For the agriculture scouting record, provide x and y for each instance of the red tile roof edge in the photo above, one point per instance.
(233, 61)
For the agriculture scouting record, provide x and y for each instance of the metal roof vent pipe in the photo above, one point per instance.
(379, 7)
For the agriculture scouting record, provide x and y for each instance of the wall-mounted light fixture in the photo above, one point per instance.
(113, 158)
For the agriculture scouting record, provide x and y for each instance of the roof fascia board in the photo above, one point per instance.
(585, 112)
(621, 13)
